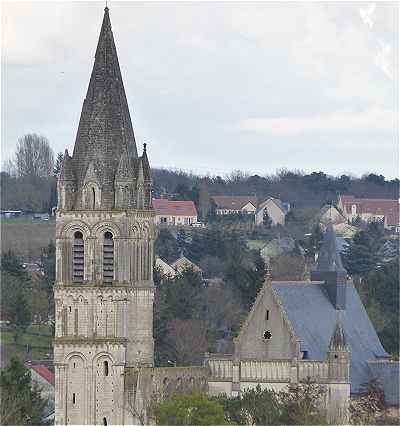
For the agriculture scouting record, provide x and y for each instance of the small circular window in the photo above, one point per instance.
(267, 335)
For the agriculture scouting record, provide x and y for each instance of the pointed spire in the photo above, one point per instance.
(146, 164)
(105, 129)
(338, 340)
(329, 258)
(67, 171)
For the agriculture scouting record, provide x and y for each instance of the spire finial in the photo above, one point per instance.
(144, 147)
(106, 8)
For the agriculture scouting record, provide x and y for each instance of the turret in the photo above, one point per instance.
(66, 184)
(330, 269)
(338, 354)
(124, 184)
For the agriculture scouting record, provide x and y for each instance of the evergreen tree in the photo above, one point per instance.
(57, 164)
(19, 311)
(267, 221)
(181, 241)
(360, 256)
(196, 249)
(166, 246)
(20, 403)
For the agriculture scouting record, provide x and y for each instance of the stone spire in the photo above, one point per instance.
(330, 269)
(105, 129)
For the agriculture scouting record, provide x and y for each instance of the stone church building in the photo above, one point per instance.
(104, 292)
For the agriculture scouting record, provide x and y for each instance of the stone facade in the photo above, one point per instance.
(277, 362)
(104, 289)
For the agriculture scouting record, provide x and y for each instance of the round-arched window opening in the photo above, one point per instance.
(335, 356)
(108, 235)
(78, 235)
(106, 368)
(267, 335)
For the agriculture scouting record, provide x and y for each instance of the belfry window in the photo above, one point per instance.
(108, 258)
(106, 368)
(78, 256)
(93, 198)
(104, 421)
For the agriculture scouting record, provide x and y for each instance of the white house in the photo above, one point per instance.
(234, 204)
(276, 211)
(174, 213)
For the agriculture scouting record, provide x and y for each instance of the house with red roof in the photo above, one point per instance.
(44, 378)
(175, 213)
(371, 210)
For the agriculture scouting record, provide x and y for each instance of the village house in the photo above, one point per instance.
(371, 210)
(275, 209)
(184, 263)
(175, 213)
(235, 204)
(42, 377)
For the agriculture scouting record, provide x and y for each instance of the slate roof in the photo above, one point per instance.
(329, 258)
(234, 202)
(174, 208)
(388, 375)
(313, 318)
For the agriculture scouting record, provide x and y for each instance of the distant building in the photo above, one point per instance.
(165, 269)
(317, 328)
(11, 213)
(183, 263)
(371, 210)
(276, 210)
(330, 214)
(44, 378)
(234, 204)
(176, 213)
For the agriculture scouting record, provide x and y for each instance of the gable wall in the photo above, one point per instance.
(251, 343)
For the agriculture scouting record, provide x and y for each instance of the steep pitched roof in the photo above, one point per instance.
(313, 318)
(174, 208)
(105, 130)
(183, 262)
(276, 201)
(234, 202)
(329, 258)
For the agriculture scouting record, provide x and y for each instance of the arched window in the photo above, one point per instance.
(108, 258)
(78, 256)
(73, 398)
(105, 368)
(104, 421)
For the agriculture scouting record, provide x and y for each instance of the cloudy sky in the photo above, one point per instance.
(214, 87)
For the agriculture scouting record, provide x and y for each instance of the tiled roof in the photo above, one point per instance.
(44, 372)
(388, 374)
(182, 263)
(234, 202)
(376, 206)
(313, 318)
(165, 207)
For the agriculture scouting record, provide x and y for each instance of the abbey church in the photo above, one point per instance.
(104, 292)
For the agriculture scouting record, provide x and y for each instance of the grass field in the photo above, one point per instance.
(37, 336)
(26, 237)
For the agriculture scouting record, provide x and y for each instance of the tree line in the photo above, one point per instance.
(28, 182)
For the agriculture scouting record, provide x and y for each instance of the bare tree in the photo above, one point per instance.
(34, 157)
(188, 338)
(9, 168)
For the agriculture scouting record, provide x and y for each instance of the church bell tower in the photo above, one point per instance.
(104, 287)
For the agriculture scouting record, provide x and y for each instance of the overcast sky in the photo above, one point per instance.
(214, 87)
